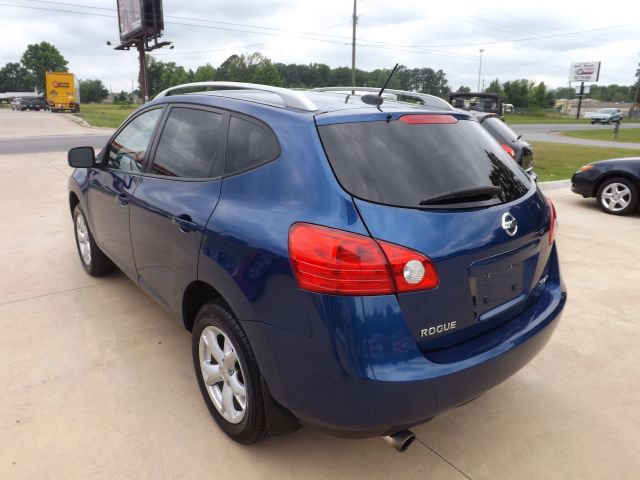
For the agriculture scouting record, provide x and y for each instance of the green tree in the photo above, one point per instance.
(15, 78)
(122, 97)
(516, 92)
(494, 87)
(43, 57)
(173, 75)
(92, 91)
(204, 73)
(541, 97)
(463, 89)
(267, 74)
(233, 69)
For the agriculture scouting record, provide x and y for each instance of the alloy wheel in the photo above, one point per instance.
(616, 197)
(82, 237)
(223, 374)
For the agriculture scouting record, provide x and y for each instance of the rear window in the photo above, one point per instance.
(499, 130)
(402, 164)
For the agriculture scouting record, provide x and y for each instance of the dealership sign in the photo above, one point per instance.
(585, 72)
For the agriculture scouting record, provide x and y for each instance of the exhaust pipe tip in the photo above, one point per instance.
(401, 441)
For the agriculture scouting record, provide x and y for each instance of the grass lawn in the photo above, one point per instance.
(104, 114)
(631, 135)
(557, 161)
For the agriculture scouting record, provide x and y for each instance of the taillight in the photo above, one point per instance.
(428, 119)
(331, 261)
(509, 150)
(553, 221)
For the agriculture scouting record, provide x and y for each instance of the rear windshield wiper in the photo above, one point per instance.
(467, 193)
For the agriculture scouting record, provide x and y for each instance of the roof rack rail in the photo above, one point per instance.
(424, 97)
(290, 98)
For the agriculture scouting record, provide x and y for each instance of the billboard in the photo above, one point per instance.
(140, 18)
(130, 18)
(584, 72)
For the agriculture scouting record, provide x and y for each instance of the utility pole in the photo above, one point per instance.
(480, 69)
(144, 88)
(353, 45)
(636, 100)
(580, 99)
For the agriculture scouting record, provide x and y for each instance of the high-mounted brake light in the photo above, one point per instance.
(509, 150)
(428, 119)
(553, 221)
(332, 261)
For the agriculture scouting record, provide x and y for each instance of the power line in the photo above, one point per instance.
(531, 38)
(421, 49)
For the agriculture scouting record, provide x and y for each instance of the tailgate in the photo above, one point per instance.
(486, 276)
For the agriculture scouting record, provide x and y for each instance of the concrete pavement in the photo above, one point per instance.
(98, 380)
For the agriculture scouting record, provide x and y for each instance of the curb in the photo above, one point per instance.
(79, 121)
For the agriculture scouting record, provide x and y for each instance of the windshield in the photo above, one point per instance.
(403, 164)
(607, 110)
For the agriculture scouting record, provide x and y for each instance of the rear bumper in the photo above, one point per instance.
(361, 373)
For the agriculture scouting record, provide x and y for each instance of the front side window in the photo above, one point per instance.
(127, 150)
(189, 145)
(249, 145)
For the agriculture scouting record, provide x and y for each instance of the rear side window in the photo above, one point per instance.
(189, 145)
(249, 145)
(401, 164)
(499, 130)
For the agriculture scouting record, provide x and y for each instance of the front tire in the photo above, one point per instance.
(94, 261)
(618, 196)
(228, 375)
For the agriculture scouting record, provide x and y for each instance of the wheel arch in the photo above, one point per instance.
(73, 201)
(195, 296)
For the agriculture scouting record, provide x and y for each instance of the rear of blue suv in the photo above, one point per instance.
(350, 268)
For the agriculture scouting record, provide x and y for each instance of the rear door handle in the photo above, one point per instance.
(184, 223)
(122, 200)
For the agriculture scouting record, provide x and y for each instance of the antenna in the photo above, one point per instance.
(377, 99)
(384, 87)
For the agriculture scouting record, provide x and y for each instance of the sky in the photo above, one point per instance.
(520, 40)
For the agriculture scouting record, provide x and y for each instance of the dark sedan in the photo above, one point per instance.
(614, 183)
(512, 143)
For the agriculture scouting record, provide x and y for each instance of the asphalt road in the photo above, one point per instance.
(41, 132)
(50, 143)
(553, 133)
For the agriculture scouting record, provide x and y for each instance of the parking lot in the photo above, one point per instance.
(98, 382)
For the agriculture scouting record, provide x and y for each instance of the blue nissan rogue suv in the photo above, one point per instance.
(357, 268)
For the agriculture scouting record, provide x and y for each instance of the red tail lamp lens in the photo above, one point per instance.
(428, 119)
(509, 150)
(331, 261)
(553, 221)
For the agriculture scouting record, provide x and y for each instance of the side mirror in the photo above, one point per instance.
(81, 157)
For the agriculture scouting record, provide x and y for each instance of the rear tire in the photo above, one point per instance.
(94, 261)
(228, 375)
(618, 196)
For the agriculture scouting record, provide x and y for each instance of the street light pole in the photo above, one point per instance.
(480, 68)
(353, 44)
